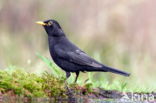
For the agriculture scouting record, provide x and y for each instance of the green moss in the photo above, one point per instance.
(29, 84)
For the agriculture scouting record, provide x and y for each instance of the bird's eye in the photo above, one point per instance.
(50, 23)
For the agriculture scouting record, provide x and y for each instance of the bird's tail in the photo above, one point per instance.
(109, 69)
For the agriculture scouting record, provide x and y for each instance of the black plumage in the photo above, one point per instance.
(68, 56)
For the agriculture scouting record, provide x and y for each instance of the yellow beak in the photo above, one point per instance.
(41, 23)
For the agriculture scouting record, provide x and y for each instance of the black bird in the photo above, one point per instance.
(68, 56)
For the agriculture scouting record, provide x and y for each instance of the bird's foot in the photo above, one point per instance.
(67, 88)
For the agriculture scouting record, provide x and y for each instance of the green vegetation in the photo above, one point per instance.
(28, 84)
(15, 81)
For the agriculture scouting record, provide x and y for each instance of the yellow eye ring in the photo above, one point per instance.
(50, 23)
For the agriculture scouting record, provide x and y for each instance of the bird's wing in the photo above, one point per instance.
(82, 58)
(78, 57)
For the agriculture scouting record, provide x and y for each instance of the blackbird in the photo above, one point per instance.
(68, 56)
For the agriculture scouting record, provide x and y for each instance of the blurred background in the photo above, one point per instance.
(119, 33)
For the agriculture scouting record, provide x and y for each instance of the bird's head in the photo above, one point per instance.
(52, 28)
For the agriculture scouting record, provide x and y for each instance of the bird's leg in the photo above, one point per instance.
(69, 91)
(67, 76)
(77, 74)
